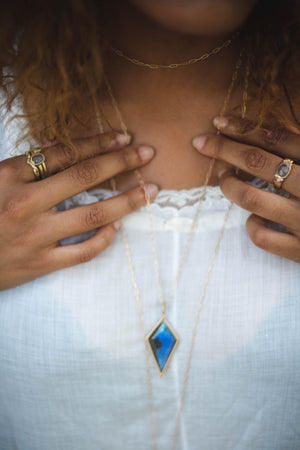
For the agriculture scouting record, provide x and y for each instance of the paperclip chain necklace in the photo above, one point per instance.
(163, 339)
(134, 281)
(188, 62)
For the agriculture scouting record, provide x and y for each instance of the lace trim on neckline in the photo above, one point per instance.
(189, 197)
(178, 199)
(182, 198)
(167, 198)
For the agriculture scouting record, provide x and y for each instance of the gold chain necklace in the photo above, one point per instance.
(131, 266)
(188, 62)
(163, 339)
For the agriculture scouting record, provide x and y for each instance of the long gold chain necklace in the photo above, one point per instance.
(188, 62)
(163, 320)
(163, 339)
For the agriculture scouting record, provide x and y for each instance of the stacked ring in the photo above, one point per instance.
(36, 160)
(283, 171)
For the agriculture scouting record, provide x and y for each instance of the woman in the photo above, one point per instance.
(75, 346)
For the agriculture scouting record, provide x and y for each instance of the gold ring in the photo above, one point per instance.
(283, 171)
(36, 160)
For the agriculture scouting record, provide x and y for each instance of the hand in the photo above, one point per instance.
(259, 153)
(30, 225)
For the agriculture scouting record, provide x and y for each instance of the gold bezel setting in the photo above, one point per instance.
(176, 337)
(39, 168)
(278, 178)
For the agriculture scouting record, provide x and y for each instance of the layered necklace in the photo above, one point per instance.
(162, 340)
(188, 62)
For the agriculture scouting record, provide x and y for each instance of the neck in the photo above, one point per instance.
(166, 107)
(138, 36)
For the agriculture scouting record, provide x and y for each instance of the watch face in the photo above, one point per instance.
(38, 159)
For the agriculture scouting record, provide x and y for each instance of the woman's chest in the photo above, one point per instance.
(235, 302)
(73, 357)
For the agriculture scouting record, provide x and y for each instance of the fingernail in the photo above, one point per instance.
(152, 190)
(145, 153)
(221, 172)
(122, 139)
(199, 142)
(225, 170)
(117, 224)
(220, 122)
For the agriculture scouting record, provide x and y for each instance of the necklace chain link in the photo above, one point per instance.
(188, 62)
(164, 304)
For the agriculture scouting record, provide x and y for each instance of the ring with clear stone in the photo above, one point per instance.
(283, 171)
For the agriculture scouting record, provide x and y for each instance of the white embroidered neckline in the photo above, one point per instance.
(168, 198)
(174, 199)
(178, 199)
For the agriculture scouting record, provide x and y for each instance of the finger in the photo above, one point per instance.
(88, 217)
(270, 206)
(281, 244)
(278, 140)
(70, 255)
(59, 157)
(248, 158)
(91, 172)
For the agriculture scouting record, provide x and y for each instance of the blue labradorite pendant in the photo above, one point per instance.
(162, 341)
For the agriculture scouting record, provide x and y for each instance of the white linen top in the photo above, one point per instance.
(72, 367)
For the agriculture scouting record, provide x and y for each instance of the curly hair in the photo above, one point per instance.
(40, 62)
